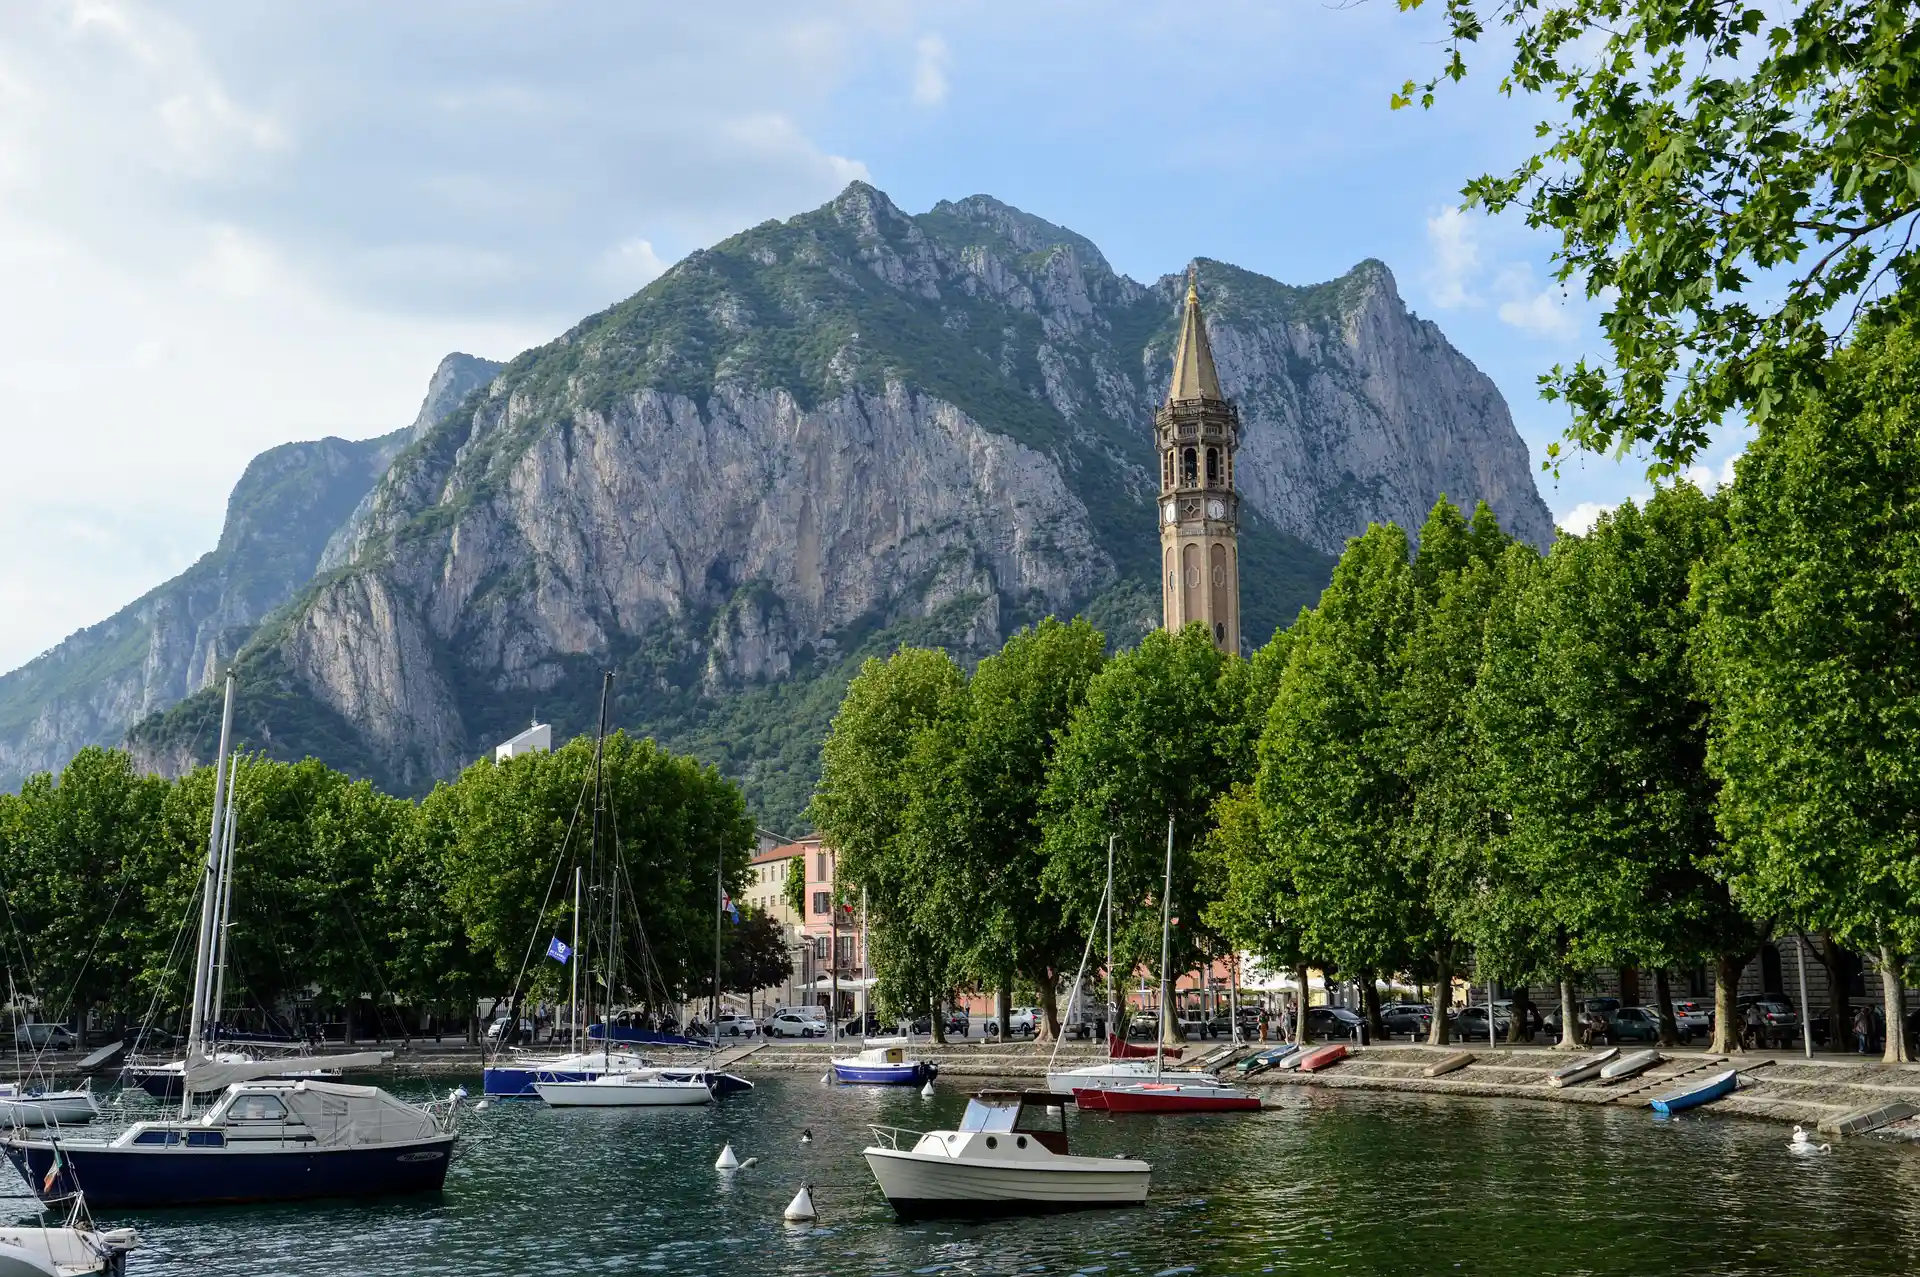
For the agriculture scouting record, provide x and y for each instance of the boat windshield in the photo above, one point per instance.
(989, 1115)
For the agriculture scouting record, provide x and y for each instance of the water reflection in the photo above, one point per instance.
(1321, 1182)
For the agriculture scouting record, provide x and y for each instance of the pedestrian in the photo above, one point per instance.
(1860, 1030)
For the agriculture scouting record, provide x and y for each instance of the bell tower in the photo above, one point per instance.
(1198, 430)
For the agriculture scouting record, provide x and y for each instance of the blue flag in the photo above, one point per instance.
(559, 950)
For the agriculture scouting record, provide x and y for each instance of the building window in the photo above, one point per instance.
(820, 948)
(1190, 465)
(820, 905)
(845, 956)
(1213, 467)
(820, 865)
(1166, 470)
(1219, 632)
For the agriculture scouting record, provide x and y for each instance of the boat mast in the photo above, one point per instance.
(1113, 990)
(719, 895)
(209, 890)
(573, 971)
(1166, 954)
(599, 751)
(225, 924)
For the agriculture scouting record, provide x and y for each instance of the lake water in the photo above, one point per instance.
(1321, 1182)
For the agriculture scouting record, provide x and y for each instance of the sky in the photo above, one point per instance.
(229, 224)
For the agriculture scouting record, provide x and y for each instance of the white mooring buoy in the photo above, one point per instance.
(926, 1092)
(726, 1161)
(800, 1209)
(806, 1136)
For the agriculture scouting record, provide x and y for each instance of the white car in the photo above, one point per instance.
(734, 1025)
(786, 1024)
(57, 1036)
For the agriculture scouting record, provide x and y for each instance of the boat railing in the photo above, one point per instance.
(889, 1136)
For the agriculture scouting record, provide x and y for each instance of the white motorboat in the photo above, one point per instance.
(645, 1088)
(74, 1251)
(1009, 1157)
(25, 1106)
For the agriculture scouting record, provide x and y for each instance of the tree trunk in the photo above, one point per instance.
(1440, 1032)
(1370, 1005)
(1569, 1018)
(1300, 1006)
(1663, 1007)
(473, 1030)
(1517, 1024)
(1726, 1020)
(1003, 1008)
(936, 1022)
(1896, 1008)
(1049, 1027)
(1839, 996)
(347, 1038)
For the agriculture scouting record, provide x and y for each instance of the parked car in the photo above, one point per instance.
(1470, 1024)
(1194, 1024)
(862, 1028)
(1144, 1024)
(958, 1023)
(1780, 1023)
(1407, 1017)
(1332, 1022)
(1697, 1016)
(791, 1024)
(1641, 1024)
(733, 1024)
(57, 1037)
(499, 1027)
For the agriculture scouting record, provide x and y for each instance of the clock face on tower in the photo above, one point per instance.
(1216, 509)
(1170, 514)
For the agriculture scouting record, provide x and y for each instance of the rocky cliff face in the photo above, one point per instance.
(817, 440)
(171, 642)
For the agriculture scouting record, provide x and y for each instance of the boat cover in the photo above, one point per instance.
(339, 1114)
(218, 1074)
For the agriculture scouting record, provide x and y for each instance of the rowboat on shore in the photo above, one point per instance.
(1323, 1057)
(1582, 1070)
(1264, 1060)
(1694, 1094)
(1630, 1065)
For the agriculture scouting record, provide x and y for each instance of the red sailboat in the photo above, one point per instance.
(1160, 1093)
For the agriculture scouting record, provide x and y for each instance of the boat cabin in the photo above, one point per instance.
(1037, 1115)
(278, 1114)
(883, 1055)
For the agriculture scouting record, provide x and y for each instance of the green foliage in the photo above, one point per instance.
(754, 954)
(1814, 660)
(1736, 183)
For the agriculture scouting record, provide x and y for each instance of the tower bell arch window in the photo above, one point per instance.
(1166, 469)
(1190, 466)
(1213, 467)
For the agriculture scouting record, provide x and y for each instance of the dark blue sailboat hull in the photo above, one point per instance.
(179, 1176)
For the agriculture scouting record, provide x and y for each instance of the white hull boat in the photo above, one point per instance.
(1116, 1073)
(1630, 1065)
(20, 1106)
(64, 1252)
(644, 1089)
(1582, 1070)
(1008, 1158)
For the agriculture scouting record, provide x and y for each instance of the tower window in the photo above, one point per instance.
(1189, 463)
(1219, 632)
(1166, 470)
(1213, 467)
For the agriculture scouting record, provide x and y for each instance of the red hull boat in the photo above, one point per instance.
(1168, 1097)
(1323, 1057)
(1119, 1048)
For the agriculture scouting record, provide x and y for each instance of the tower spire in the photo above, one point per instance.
(1193, 373)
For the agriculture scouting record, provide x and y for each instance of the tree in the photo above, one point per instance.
(1332, 787)
(1815, 664)
(1600, 731)
(1019, 702)
(753, 953)
(884, 802)
(1734, 182)
(1156, 740)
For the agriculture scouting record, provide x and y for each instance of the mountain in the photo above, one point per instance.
(817, 440)
(170, 642)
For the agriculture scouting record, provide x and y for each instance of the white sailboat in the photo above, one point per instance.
(76, 1249)
(263, 1140)
(580, 1084)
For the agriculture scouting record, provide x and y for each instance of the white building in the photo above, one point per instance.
(537, 739)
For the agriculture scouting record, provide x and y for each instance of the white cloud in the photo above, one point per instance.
(1540, 311)
(930, 70)
(1580, 520)
(1453, 238)
(1709, 480)
(633, 264)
